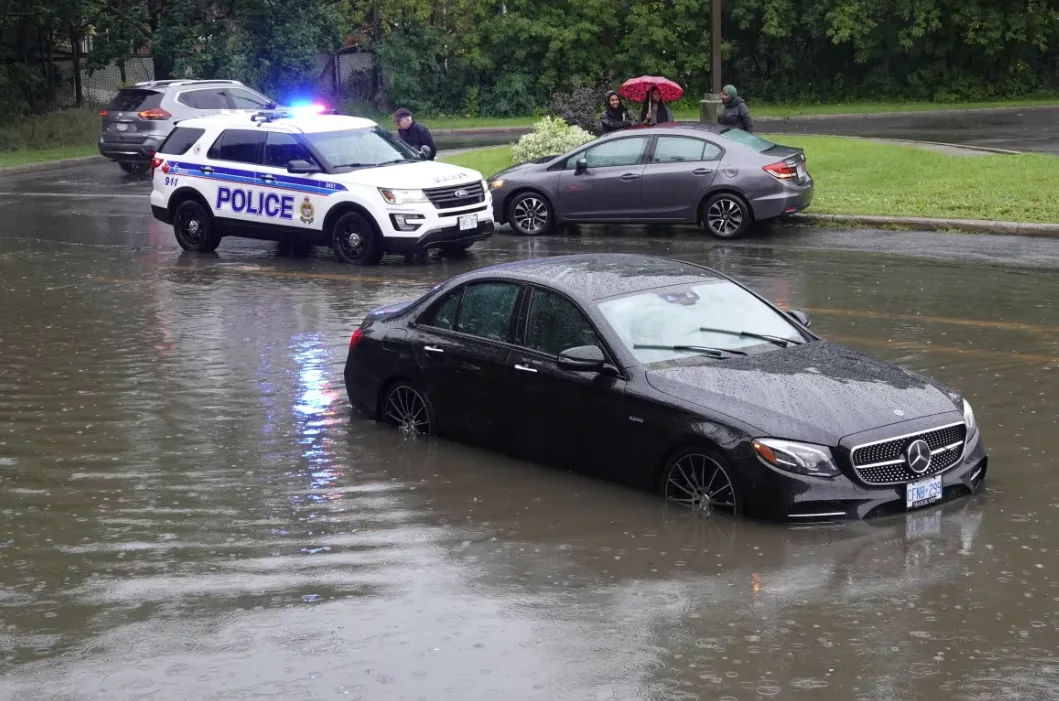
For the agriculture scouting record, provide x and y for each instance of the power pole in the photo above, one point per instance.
(709, 107)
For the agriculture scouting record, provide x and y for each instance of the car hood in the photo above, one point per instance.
(417, 175)
(819, 392)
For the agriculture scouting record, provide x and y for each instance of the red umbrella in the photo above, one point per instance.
(637, 89)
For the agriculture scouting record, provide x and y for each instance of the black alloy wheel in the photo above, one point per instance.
(194, 228)
(409, 409)
(355, 241)
(700, 480)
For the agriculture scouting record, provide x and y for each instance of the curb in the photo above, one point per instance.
(972, 226)
(909, 113)
(49, 165)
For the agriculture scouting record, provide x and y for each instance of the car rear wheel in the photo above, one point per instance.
(194, 228)
(355, 241)
(699, 479)
(409, 409)
(531, 215)
(726, 216)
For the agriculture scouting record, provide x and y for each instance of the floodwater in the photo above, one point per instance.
(189, 511)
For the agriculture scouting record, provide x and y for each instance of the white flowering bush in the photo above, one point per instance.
(551, 136)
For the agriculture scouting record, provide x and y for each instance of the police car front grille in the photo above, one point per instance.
(456, 196)
(884, 462)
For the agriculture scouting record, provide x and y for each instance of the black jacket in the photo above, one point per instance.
(665, 115)
(418, 136)
(614, 120)
(736, 115)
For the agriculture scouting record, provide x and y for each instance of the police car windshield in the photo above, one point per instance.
(361, 148)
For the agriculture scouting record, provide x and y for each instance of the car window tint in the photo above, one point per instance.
(135, 101)
(204, 100)
(677, 149)
(620, 152)
(180, 140)
(239, 146)
(281, 149)
(443, 316)
(486, 310)
(246, 100)
(556, 324)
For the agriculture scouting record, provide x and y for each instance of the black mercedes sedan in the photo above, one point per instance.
(665, 376)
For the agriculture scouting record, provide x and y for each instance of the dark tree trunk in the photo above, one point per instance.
(75, 54)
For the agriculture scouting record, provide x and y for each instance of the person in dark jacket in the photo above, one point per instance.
(735, 113)
(654, 111)
(413, 133)
(615, 116)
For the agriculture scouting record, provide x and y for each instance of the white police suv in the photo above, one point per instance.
(321, 179)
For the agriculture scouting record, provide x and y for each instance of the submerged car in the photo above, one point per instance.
(670, 377)
(725, 179)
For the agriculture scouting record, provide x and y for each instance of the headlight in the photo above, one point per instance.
(968, 418)
(497, 184)
(800, 458)
(403, 196)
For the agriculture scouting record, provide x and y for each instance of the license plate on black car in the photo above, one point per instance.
(923, 492)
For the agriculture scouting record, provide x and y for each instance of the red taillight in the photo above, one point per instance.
(154, 113)
(104, 113)
(782, 170)
(355, 338)
(155, 163)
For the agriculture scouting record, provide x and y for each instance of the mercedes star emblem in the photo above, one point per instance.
(918, 456)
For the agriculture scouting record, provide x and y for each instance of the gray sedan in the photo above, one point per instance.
(725, 179)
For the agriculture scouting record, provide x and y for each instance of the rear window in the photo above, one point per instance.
(239, 146)
(180, 140)
(747, 139)
(135, 101)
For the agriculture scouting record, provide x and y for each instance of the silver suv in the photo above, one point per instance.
(139, 118)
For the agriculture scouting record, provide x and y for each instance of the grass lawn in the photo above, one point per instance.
(18, 158)
(861, 177)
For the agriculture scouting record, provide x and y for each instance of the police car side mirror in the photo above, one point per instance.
(425, 150)
(270, 105)
(302, 167)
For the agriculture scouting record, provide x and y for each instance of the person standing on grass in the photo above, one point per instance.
(413, 133)
(735, 113)
(615, 116)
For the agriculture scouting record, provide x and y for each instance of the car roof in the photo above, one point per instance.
(598, 276)
(168, 84)
(308, 124)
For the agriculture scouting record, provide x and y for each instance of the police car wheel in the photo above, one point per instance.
(355, 241)
(194, 228)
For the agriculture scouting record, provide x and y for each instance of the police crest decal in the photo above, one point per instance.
(308, 213)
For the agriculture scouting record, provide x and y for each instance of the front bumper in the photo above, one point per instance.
(782, 496)
(445, 236)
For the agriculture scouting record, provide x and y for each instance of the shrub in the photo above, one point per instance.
(551, 136)
(580, 107)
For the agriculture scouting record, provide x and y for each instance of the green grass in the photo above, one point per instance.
(863, 177)
(18, 158)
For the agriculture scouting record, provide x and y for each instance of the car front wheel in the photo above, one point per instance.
(194, 228)
(355, 241)
(726, 216)
(531, 215)
(700, 480)
(407, 407)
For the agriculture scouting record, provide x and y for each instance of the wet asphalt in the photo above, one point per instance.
(188, 510)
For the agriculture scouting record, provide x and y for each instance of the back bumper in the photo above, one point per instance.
(789, 199)
(435, 238)
(140, 151)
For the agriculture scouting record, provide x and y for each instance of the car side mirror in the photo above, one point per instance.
(582, 166)
(302, 167)
(426, 151)
(582, 359)
(801, 317)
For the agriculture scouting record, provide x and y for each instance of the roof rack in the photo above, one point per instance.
(174, 83)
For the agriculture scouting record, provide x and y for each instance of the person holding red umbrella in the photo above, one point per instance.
(654, 111)
(654, 92)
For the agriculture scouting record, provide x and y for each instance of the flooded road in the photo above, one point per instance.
(190, 511)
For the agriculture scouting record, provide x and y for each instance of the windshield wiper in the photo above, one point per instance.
(774, 340)
(705, 350)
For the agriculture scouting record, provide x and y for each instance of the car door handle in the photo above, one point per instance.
(207, 169)
(434, 349)
(702, 171)
(525, 368)
(628, 177)
(268, 178)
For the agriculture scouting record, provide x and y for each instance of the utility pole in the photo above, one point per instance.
(711, 105)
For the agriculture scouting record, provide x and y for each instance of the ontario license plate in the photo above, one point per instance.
(469, 221)
(121, 127)
(923, 492)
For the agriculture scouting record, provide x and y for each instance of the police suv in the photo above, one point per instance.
(321, 179)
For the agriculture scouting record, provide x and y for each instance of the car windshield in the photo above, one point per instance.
(747, 139)
(675, 322)
(361, 148)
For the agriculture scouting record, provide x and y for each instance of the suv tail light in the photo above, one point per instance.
(156, 162)
(355, 338)
(154, 113)
(104, 113)
(782, 170)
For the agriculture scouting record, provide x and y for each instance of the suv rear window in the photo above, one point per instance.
(180, 140)
(130, 100)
